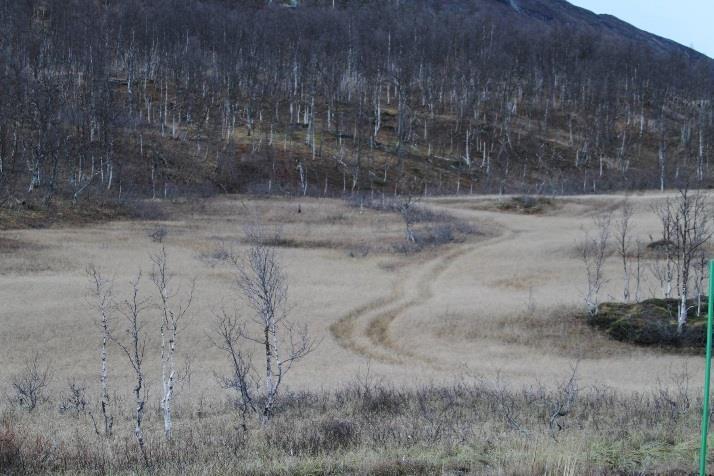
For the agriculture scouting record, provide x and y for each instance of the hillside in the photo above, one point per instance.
(560, 13)
(104, 101)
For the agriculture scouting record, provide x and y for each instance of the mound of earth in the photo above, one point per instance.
(652, 323)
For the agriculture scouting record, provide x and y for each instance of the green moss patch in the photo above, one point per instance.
(526, 205)
(652, 323)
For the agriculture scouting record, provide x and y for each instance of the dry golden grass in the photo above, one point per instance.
(501, 303)
(361, 299)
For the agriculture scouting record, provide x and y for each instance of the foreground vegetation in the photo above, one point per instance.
(371, 428)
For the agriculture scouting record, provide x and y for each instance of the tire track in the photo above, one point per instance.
(366, 329)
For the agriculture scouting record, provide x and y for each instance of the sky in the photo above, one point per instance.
(689, 22)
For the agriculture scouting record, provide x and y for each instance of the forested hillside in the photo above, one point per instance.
(103, 100)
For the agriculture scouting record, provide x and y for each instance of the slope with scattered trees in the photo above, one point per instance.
(104, 101)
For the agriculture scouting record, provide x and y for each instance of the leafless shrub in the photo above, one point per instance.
(159, 234)
(360, 251)
(30, 385)
(185, 373)
(75, 399)
(423, 226)
(435, 418)
(379, 400)
(328, 433)
(217, 255)
(507, 405)
(451, 421)
(674, 400)
(563, 401)
(134, 345)
(228, 332)
(338, 433)
(417, 212)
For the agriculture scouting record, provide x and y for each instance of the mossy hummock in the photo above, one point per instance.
(653, 322)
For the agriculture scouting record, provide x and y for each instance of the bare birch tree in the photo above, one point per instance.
(593, 255)
(664, 266)
(102, 290)
(264, 286)
(172, 313)
(134, 348)
(622, 234)
(691, 232)
(685, 231)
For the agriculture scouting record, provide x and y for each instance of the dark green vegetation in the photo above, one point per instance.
(526, 204)
(653, 323)
(105, 102)
(372, 429)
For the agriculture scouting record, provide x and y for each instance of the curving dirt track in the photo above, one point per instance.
(435, 315)
(366, 330)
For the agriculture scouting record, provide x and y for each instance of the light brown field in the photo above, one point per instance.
(501, 303)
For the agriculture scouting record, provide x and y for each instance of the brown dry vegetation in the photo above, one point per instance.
(469, 345)
(370, 428)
